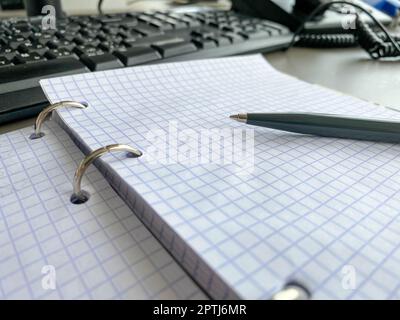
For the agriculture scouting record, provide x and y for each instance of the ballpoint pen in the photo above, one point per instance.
(326, 125)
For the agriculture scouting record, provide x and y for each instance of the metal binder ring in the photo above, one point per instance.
(42, 116)
(81, 196)
(293, 291)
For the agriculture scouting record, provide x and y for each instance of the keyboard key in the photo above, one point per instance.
(110, 30)
(7, 52)
(191, 22)
(5, 32)
(160, 15)
(25, 76)
(87, 50)
(174, 47)
(215, 24)
(101, 62)
(176, 23)
(88, 33)
(109, 19)
(22, 25)
(53, 44)
(233, 37)
(228, 28)
(128, 23)
(197, 33)
(44, 39)
(137, 55)
(161, 25)
(131, 38)
(69, 36)
(62, 23)
(148, 30)
(31, 57)
(93, 25)
(145, 18)
(221, 41)
(65, 44)
(79, 40)
(73, 27)
(107, 46)
(273, 29)
(32, 47)
(24, 31)
(123, 34)
(119, 21)
(102, 37)
(205, 43)
(4, 62)
(257, 34)
(13, 41)
(114, 38)
(58, 53)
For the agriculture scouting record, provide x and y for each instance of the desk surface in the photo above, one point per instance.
(350, 71)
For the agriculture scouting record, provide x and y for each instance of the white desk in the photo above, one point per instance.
(350, 71)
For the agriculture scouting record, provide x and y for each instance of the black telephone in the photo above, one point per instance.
(266, 9)
(294, 15)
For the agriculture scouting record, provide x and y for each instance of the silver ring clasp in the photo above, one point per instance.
(43, 115)
(293, 291)
(81, 196)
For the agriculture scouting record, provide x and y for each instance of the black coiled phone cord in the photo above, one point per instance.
(377, 44)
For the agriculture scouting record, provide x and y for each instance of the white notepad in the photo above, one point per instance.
(319, 211)
(53, 249)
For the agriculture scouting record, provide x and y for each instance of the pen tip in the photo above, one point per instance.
(239, 117)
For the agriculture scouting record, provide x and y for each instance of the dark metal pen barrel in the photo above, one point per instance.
(329, 126)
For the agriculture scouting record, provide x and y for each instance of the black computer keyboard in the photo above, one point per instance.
(93, 43)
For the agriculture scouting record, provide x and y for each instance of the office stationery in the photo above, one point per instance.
(319, 212)
(53, 249)
(326, 125)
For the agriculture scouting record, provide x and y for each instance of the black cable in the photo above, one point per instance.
(325, 6)
(331, 40)
(342, 40)
(371, 42)
(100, 6)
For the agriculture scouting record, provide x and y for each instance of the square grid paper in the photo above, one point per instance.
(99, 250)
(320, 211)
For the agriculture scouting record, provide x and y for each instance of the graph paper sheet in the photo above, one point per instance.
(99, 250)
(320, 211)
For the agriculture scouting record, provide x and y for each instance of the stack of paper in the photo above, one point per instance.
(319, 211)
(53, 249)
